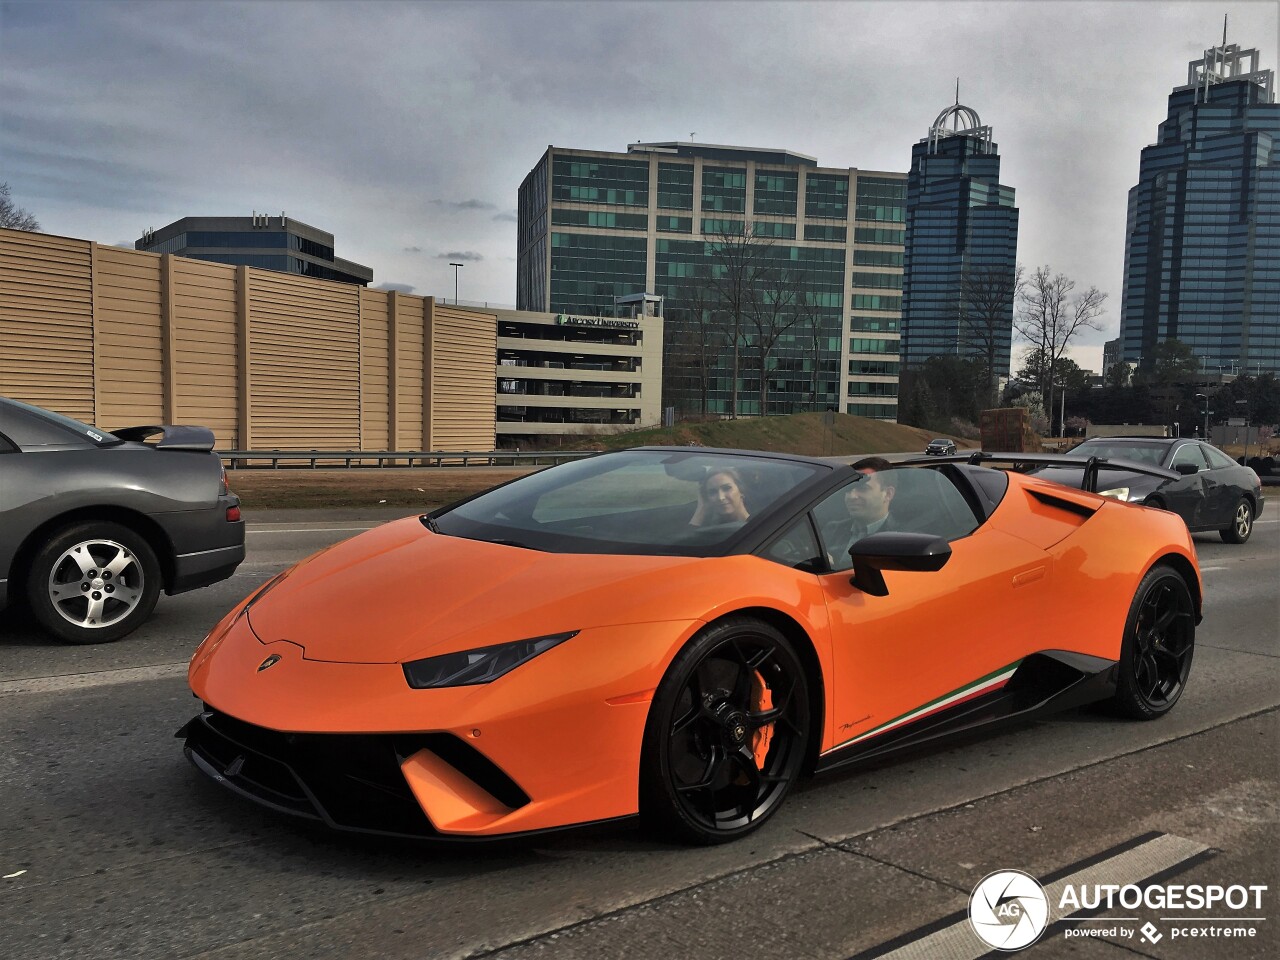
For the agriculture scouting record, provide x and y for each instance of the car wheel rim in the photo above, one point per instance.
(1163, 643)
(96, 584)
(1243, 520)
(737, 738)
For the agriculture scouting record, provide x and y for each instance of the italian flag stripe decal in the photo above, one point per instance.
(988, 684)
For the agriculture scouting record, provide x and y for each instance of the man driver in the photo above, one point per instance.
(868, 500)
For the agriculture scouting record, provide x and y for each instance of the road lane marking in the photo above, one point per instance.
(1210, 569)
(1132, 863)
(84, 681)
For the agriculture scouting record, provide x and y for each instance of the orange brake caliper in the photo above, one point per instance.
(763, 737)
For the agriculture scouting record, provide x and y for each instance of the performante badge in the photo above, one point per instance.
(1008, 910)
(271, 661)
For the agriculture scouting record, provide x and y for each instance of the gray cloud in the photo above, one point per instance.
(379, 129)
(412, 249)
(464, 204)
(399, 287)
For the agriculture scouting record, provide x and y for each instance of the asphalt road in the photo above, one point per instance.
(111, 845)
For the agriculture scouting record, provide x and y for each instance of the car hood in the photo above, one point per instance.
(400, 592)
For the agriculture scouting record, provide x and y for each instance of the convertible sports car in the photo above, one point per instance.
(681, 633)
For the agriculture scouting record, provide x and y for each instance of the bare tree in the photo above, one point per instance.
(12, 216)
(772, 311)
(738, 261)
(698, 339)
(987, 296)
(1050, 318)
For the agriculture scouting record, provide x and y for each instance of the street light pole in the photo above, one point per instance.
(456, 267)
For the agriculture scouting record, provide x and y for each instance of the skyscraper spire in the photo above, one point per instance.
(1224, 29)
(957, 91)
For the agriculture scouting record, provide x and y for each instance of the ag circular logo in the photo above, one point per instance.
(1008, 910)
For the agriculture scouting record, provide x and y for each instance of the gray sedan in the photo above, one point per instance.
(1212, 491)
(93, 524)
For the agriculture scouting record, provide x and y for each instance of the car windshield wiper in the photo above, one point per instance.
(511, 543)
(430, 524)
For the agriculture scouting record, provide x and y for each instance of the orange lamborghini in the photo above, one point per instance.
(680, 633)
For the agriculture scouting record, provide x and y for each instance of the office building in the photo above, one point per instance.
(561, 374)
(272, 243)
(594, 226)
(961, 247)
(1202, 257)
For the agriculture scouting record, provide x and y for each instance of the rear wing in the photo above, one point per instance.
(171, 437)
(1022, 462)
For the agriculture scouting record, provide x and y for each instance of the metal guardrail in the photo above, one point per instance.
(241, 459)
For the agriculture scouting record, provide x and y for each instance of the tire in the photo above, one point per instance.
(1241, 523)
(1158, 645)
(79, 608)
(726, 735)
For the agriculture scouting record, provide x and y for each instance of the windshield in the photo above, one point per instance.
(650, 501)
(1139, 451)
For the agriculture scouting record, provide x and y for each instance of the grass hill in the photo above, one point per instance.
(803, 433)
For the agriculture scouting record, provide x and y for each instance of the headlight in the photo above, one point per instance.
(1119, 493)
(481, 665)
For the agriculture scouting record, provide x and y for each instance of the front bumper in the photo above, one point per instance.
(349, 782)
(554, 743)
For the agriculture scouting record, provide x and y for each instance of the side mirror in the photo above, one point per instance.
(921, 552)
(1187, 469)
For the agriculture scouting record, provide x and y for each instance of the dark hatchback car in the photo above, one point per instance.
(1212, 493)
(941, 447)
(94, 524)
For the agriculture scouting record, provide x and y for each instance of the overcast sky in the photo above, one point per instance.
(405, 128)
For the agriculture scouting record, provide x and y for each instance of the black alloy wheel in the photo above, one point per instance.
(1241, 523)
(1159, 641)
(726, 735)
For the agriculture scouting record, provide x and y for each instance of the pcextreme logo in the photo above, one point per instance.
(1008, 910)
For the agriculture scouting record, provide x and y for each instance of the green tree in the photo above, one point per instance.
(1175, 362)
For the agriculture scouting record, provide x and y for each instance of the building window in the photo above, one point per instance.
(620, 182)
(675, 186)
(826, 196)
(611, 219)
(879, 235)
(768, 228)
(717, 227)
(724, 189)
(776, 192)
(875, 301)
(825, 232)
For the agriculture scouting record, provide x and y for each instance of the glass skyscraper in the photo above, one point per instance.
(594, 226)
(962, 237)
(1202, 258)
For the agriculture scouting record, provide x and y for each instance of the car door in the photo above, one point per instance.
(1187, 495)
(937, 637)
(1222, 490)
